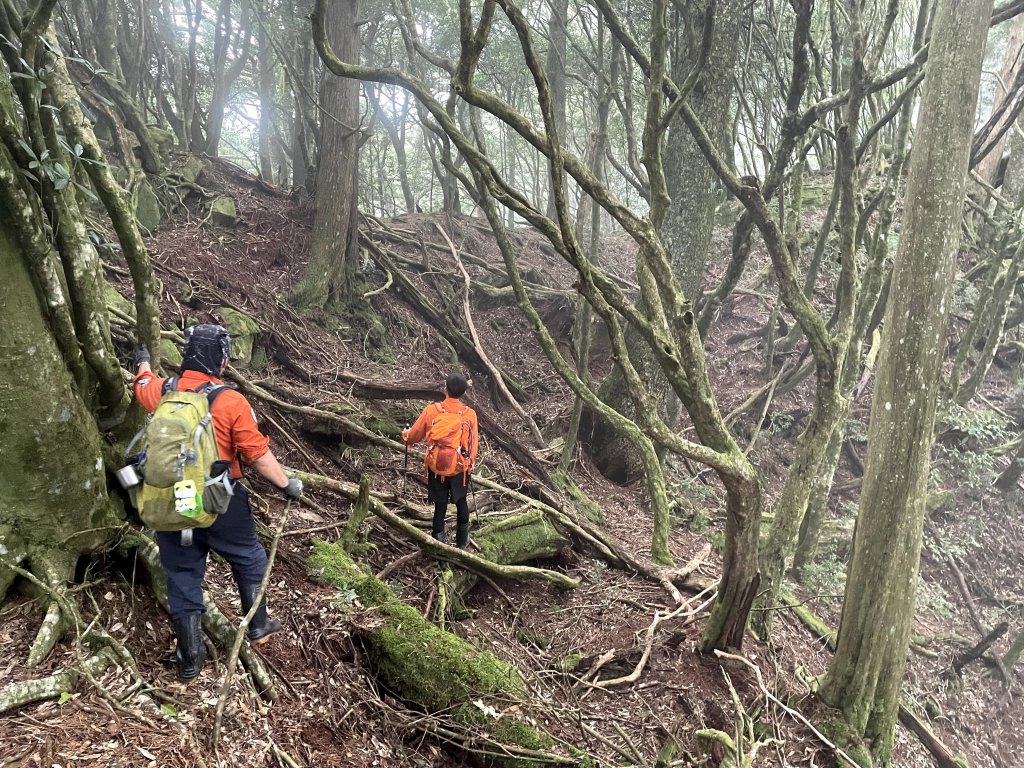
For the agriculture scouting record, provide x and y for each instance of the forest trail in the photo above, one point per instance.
(331, 710)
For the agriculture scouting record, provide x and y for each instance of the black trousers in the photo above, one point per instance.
(444, 491)
(232, 536)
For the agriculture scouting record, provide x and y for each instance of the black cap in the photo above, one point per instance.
(207, 349)
(456, 384)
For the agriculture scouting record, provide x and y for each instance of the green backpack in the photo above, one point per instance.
(185, 484)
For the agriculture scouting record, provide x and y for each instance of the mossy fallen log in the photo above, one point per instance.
(436, 671)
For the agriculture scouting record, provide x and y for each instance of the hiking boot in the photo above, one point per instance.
(261, 626)
(462, 536)
(440, 536)
(191, 652)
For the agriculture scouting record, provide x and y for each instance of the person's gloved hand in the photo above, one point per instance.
(141, 355)
(294, 488)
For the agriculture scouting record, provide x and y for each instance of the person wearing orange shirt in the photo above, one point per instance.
(233, 534)
(451, 489)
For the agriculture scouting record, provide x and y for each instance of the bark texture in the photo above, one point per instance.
(865, 676)
(333, 261)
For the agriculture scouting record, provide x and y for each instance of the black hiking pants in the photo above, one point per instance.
(444, 491)
(232, 536)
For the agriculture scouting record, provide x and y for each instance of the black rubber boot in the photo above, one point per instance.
(261, 627)
(462, 536)
(191, 652)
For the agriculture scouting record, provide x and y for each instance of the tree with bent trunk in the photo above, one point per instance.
(874, 632)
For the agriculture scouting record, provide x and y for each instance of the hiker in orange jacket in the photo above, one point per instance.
(450, 429)
(233, 535)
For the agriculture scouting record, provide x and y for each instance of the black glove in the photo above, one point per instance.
(141, 355)
(294, 488)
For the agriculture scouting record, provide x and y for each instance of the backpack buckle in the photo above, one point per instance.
(186, 537)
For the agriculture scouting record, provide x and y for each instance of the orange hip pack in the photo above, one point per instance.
(448, 443)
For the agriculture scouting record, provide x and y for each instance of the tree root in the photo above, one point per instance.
(432, 546)
(55, 569)
(28, 691)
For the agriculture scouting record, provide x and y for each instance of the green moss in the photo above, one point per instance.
(147, 207)
(421, 663)
(837, 729)
(170, 354)
(243, 330)
(570, 662)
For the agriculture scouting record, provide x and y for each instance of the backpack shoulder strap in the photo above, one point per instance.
(211, 390)
(170, 385)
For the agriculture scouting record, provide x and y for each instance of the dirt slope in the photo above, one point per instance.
(331, 712)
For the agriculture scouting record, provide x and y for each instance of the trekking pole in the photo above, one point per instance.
(405, 471)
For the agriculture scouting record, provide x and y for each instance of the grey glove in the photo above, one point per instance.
(294, 488)
(141, 355)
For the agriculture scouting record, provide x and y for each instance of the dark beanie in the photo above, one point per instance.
(456, 384)
(207, 348)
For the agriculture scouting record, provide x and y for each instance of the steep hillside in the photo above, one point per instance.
(333, 709)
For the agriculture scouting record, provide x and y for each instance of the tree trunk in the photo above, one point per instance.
(53, 497)
(695, 191)
(865, 676)
(555, 70)
(334, 257)
(267, 63)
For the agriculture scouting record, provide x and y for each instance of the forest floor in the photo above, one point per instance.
(332, 712)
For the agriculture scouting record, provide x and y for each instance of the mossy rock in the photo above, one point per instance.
(223, 212)
(147, 207)
(243, 330)
(163, 140)
(188, 168)
(113, 298)
(170, 355)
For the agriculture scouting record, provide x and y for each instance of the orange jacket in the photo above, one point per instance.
(234, 421)
(418, 431)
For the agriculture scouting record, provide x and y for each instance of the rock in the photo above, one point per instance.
(188, 168)
(223, 212)
(243, 330)
(147, 207)
(170, 355)
(162, 140)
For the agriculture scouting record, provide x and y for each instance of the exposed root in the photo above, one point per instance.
(54, 569)
(28, 691)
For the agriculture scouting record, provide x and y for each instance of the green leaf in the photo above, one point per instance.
(60, 183)
(26, 147)
(88, 193)
(65, 697)
(30, 175)
(78, 150)
(168, 710)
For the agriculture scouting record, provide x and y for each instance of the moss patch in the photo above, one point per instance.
(421, 663)
(243, 330)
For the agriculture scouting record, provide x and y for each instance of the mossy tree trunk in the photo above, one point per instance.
(865, 676)
(695, 191)
(60, 381)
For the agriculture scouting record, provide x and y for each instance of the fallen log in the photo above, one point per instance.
(469, 690)
(433, 547)
(438, 319)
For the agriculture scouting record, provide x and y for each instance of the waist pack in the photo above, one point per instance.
(184, 482)
(449, 443)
